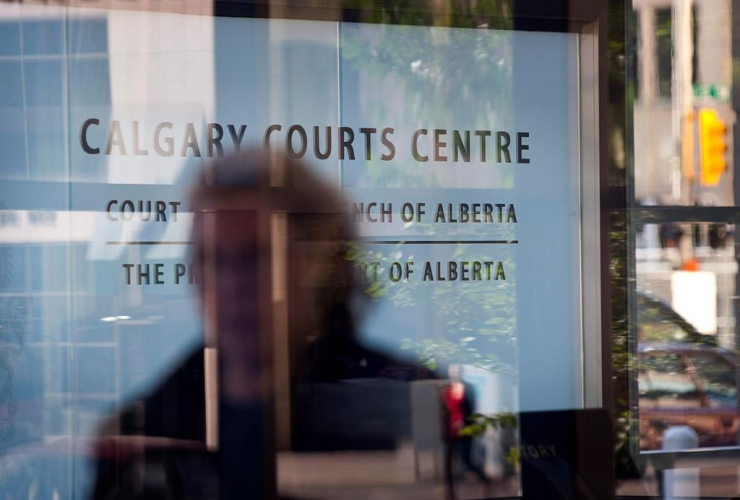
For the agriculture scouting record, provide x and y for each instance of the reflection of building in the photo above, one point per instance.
(79, 346)
(684, 65)
(667, 55)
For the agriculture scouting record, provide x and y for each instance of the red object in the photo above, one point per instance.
(691, 265)
(454, 398)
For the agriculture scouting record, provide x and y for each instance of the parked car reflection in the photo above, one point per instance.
(688, 384)
(658, 322)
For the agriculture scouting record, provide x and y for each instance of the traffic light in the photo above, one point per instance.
(712, 146)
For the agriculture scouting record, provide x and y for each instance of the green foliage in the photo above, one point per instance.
(442, 85)
(513, 456)
(475, 321)
(479, 423)
(472, 319)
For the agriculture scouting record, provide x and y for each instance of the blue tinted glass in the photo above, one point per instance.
(12, 262)
(12, 142)
(88, 326)
(88, 36)
(48, 269)
(45, 116)
(10, 38)
(94, 370)
(11, 87)
(28, 389)
(43, 82)
(43, 37)
(89, 81)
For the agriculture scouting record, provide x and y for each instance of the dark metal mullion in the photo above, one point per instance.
(663, 214)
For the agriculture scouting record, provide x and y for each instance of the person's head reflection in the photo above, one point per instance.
(252, 213)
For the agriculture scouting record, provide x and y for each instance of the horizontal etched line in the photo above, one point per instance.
(442, 242)
(148, 242)
(372, 242)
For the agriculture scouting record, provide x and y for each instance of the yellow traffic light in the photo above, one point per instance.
(712, 145)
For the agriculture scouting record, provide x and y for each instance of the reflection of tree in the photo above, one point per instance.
(462, 14)
(623, 361)
(475, 318)
(448, 78)
(437, 63)
(475, 321)
(621, 93)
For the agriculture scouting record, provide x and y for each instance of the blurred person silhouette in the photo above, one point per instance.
(236, 205)
(458, 398)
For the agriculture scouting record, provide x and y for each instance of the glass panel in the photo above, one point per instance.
(684, 259)
(321, 259)
(664, 383)
(718, 378)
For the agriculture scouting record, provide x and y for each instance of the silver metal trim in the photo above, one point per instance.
(590, 216)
